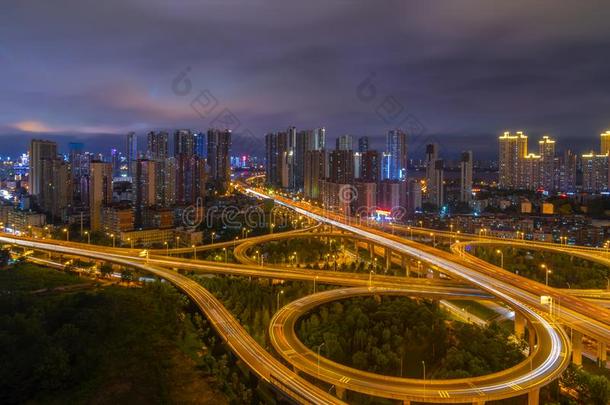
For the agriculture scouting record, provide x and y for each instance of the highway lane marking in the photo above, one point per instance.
(515, 387)
(477, 389)
(443, 394)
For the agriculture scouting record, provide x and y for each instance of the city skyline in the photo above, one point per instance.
(474, 76)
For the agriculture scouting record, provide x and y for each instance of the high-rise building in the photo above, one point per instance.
(357, 165)
(529, 166)
(391, 194)
(436, 194)
(567, 174)
(414, 198)
(341, 166)
(132, 152)
(370, 170)
(345, 142)
(158, 151)
(594, 172)
(396, 146)
(363, 144)
(605, 142)
(513, 149)
(39, 150)
(365, 202)
(100, 192)
(302, 145)
(318, 140)
(548, 164)
(184, 142)
(79, 170)
(158, 145)
(466, 177)
(201, 146)
(190, 179)
(219, 158)
(144, 188)
(271, 159)
(56, 193)
(433, 188)
(315, 171)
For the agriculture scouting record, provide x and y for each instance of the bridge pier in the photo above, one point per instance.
(340, 392)
(388, 259)
(519, 325)
(533, 397)
(371, 251)
(576, 347)
(602, 355)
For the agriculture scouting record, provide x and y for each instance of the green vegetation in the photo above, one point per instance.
(566, 271)
(26, 277)
(308, 250)
(253, 302)
(110, 345)
(394, 336)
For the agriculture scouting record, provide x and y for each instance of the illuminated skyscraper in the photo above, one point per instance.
(219, 158)
(605, 142)
(132, 152)
(345, 142)
(594, 172)
(396, 146)
(39, 150)
(158, 145)
(363, 144)
(466, 177)
(314, 171)
(184, 142)
(548, 164)
(100, 191)
(513, 149)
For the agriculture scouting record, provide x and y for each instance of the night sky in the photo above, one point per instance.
(458, 72)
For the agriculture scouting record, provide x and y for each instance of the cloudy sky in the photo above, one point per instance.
(459, 72)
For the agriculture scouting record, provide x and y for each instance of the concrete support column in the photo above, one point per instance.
(340, 392)
(519, 325)
(576, 347)
(602, 355)
(531, 338)
(478, 403)
(371, 251)
(405, 265)
(533, 397)
(388, 259)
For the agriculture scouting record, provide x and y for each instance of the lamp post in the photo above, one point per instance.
(319, 347)
(213, 235)
(433, 239)
(226, 259)
(235, 242)
(67, 232)
(371, 278)
(166, 248)
(296, 262)
(278, 299)
(177, 241)
(194, 251)
(88, 236)
(498, 251)
(113, 240)
(547, 272)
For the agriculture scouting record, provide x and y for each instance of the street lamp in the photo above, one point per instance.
(314, 284)
(498, 251)
(225, 250)
(371, 278)
(235, 242)
(166, 248)
(113, 240)
(88, 236)
(547, 272)
(194, 251)
(319, 347)
(295, 259)
(213, 235)
(278, 299)
(67, 232)
(433, 239)
(410, 231)
(177, 241)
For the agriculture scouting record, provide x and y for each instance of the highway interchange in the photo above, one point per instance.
(469, 278)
